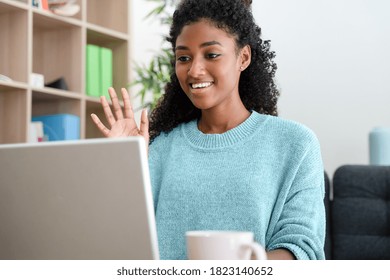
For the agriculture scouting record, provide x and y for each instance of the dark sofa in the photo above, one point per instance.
(358, 216)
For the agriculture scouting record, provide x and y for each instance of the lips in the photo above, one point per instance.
(201, 85)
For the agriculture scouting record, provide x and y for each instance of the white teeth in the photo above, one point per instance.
(201, 85)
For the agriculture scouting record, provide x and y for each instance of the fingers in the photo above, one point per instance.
(107, 111)
(144, 127)
(127, 104)
(115, 103)
(100, 125)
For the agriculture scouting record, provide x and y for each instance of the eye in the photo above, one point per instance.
(183, 58)
(212, 55)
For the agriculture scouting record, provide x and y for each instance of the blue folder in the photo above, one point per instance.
(60, 126)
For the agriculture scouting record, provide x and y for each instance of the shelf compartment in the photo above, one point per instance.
(57, 50)
(120, 50)
(109, 15)
(77, 16)
(49, 104)
(91, 131)
(14, 42)
(13, 114)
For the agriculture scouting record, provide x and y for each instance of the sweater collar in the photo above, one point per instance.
(226, 139)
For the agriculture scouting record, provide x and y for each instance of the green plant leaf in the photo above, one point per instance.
(152, 77)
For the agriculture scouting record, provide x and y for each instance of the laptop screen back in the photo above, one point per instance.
(85, 199)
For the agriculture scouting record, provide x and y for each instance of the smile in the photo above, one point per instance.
(201, 85)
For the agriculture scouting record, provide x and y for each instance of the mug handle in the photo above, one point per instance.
(258, 251)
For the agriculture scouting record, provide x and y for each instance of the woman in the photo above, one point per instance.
(219, 157)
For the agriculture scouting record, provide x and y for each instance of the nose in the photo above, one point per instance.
(196, 68)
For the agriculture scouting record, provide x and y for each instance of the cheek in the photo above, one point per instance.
(181, 74)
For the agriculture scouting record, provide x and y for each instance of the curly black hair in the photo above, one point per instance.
(257, 89)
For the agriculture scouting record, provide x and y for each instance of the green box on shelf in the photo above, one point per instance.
(105, 70)
(92, 69)
(99, 70)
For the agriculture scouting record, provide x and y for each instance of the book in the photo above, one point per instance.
(105, 70)
(44, 5)
(92, 68)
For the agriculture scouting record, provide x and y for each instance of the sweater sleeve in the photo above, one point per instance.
(300, 226)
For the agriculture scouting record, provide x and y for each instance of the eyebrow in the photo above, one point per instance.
(203, 45)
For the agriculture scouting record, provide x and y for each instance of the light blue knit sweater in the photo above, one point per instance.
(265, 176)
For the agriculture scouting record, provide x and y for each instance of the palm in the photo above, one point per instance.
(123, 128)
(122, 123)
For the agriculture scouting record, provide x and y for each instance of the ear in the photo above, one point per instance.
(245, 57)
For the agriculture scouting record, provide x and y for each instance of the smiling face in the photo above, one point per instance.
(208, 65)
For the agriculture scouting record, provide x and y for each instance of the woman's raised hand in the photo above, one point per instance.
(122, 124)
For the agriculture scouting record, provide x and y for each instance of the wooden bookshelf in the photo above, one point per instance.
(39, 41)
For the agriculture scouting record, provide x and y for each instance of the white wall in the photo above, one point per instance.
(333, 61)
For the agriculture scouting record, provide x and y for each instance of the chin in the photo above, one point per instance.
(202, 105)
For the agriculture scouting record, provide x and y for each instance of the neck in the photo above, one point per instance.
(220, 121)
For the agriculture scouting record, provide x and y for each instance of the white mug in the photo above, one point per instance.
(223, 245)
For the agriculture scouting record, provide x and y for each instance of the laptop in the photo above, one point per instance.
(74, 200)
